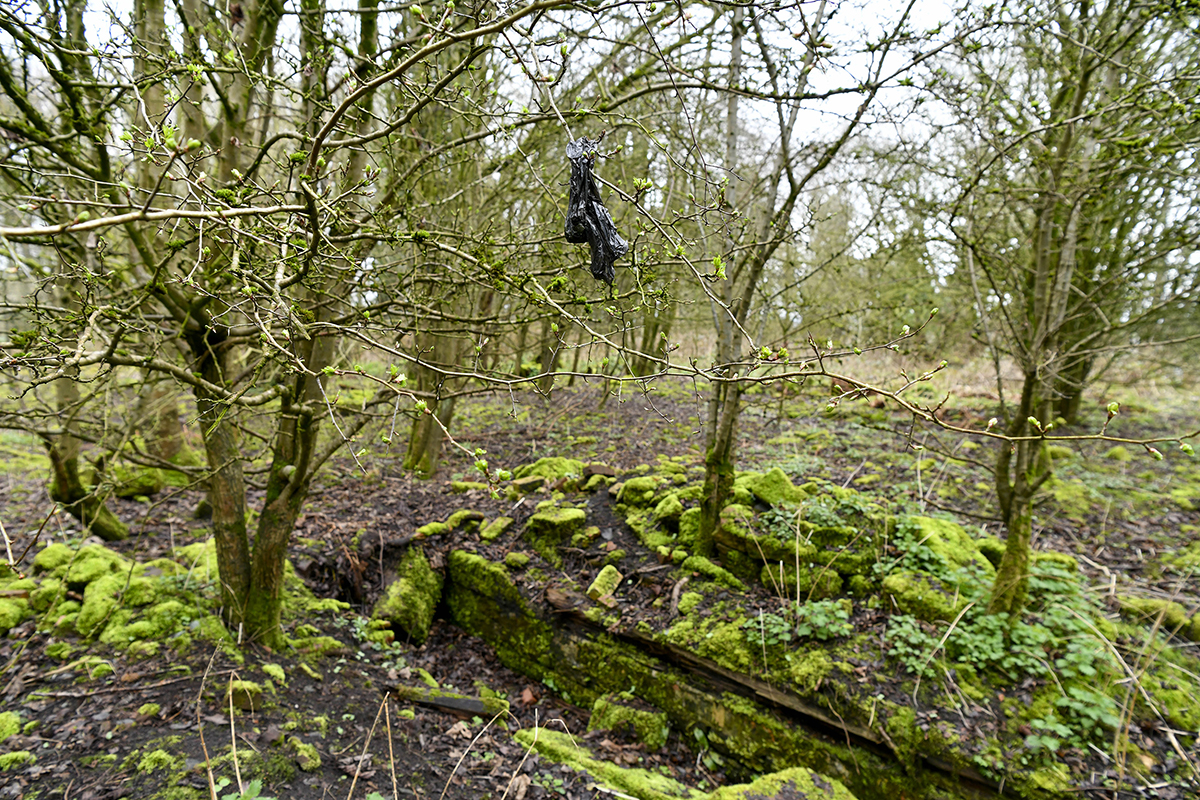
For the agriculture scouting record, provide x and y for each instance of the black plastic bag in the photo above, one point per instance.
(587, 218)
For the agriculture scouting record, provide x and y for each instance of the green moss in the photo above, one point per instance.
(464, 519)
(516, 560)
(51, 558)
(200, 561)
(688, 601)
(923, 596)
(552, 469)
(703, 566)
(812, 581)
(550, 529)
(1175, 619)
(948, 540)
(596, 482)
(613, 712)
(412, 598)
(689, 526)
(638, 491)
(1058, 452)
(722, 641)
(149, 709)
(131, 481)
(495, 529)
(432, 529)
(305, 755)
(275, 673)
(774, 488)
(16, 760)
(462, 487)
(606, 582)
(157, 761)
(807, 671)
(669, 508)
(643, 784)
(992, 548)
(1053, 780)
(101, 599)
(1120, 454)
(246, 695)
(1074, 497)
(10, 724)
(794, 782)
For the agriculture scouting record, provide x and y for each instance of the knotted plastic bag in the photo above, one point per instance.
(587, 218)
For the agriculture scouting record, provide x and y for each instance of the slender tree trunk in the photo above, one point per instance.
(724, 403)
(719, 462)
(226, 483)
(66, 487)
(1021, 468)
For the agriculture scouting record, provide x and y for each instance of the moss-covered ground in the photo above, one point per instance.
(840, 632)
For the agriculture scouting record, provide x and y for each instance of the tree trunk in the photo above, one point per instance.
(1069, 389)
(719, 462)
(725, 398)
(426, 438)
(436, 352)
(226, 483)
(1016, 485)
(65, 485)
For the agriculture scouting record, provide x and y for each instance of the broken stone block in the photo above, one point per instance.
(606, 583)
(409, 601)
(551, 528)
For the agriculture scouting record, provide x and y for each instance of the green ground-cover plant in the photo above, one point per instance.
(818, 619)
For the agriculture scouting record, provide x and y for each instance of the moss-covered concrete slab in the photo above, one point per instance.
(410, 600)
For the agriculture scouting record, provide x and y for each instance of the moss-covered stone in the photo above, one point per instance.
(516, 560)
(462, 487)
(10, 724)
(643, 784)
(948, 540)
(527, 485)
(411, 599)
(304, 754)
(708, 569)
(51, 558)
(552, 469)
(1119, 453)
(992, 548)
(689, 526)
(1175, 618)
(775, 488)
(669, 509)
(465, 519)
(495, 529)
(810, 581)
(639, 491)
(795, 782)
(245, 695)
(606, 582)
(136, 481)
(550, 529)
(614, 712)
(923, 596)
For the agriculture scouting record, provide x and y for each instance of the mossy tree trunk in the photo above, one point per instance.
(719, 461)
(1021, 469)
(66, 487)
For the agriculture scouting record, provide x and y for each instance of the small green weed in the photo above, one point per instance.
(819, 619)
